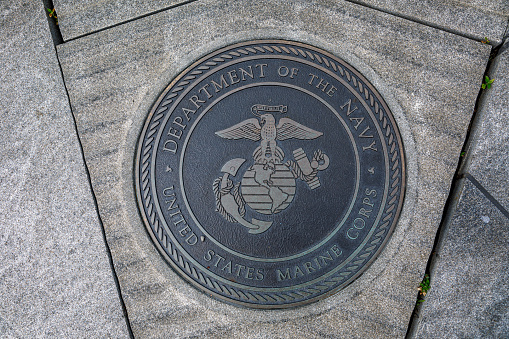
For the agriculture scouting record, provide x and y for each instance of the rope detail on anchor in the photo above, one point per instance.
(234, 190)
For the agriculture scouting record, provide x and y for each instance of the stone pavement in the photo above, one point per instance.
(470, 269)
(55, 278)
(76, 259)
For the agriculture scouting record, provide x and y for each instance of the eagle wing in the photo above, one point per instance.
(288, 129)
(248, 129)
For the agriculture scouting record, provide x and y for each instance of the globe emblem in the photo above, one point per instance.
(268, 186)
(268, 190)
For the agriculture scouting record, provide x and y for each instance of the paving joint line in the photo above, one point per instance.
(452, 201)
(53, 26)
(482, 97)
(130, 20)
(449, 208)
(422, 22)
(399, 15)
(504, 46)
(484, 191)
(49, 3)
(103, 231)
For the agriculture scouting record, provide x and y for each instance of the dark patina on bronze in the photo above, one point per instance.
(270, 174)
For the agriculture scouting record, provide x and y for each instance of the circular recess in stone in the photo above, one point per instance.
(270, 174)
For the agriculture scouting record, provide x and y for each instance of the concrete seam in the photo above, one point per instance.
(476, 121)
(505, 42)
(487, 194)
(53, 26)
(103, 231)
(47, 4)
(421, 22)
(452, 201)
(449, 209)
(403, 16)
(131, 20)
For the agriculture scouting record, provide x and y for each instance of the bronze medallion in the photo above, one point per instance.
(270, 174)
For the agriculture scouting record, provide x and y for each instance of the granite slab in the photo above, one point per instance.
(77, 18)
(487, 158)
(429, 78)
(469, 282)
(55, 276)
(472, 18)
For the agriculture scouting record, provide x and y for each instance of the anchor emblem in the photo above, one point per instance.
(268, 186)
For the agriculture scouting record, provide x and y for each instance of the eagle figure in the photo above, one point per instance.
(267, 131)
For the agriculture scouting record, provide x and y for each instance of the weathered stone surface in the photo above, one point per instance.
(473, 18)
(468, 295)
(429, 78)
(77, 18)
(55, 276)
(487, 155)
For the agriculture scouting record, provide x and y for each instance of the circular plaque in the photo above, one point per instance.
(270, 174)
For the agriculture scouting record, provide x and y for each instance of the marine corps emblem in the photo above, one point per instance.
(270, 174)
(268, 186)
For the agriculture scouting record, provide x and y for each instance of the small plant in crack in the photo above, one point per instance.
(485, 41)
(53, 14)
(487, 82)
(423, 288)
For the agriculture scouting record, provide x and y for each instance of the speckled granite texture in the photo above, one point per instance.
(429, 78)
(77, 18)
(473, 18)
(468, 295)
(55, 276)
(469, 281)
